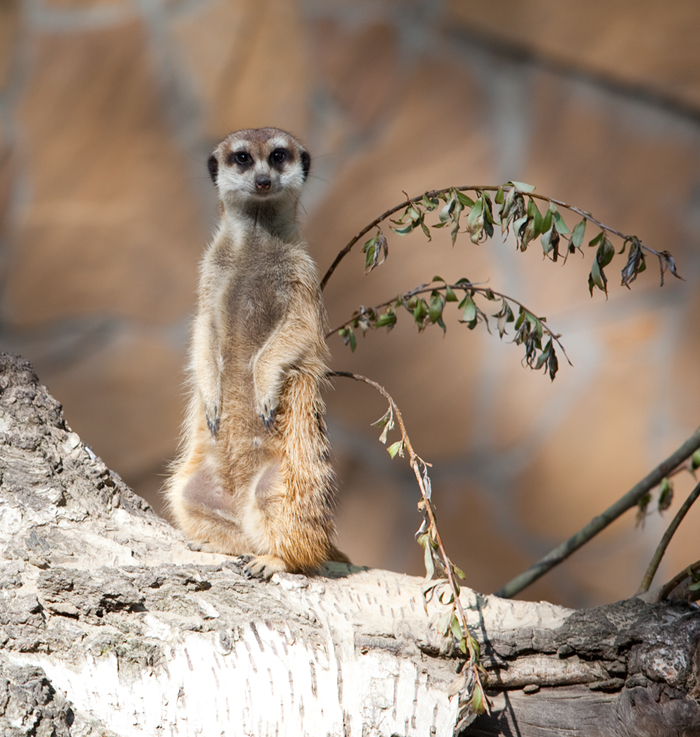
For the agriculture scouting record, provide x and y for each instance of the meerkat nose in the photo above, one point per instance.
(262, 182)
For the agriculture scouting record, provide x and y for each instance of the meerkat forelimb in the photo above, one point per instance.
(254, 476)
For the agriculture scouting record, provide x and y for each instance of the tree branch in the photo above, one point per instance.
(666, 539)
(629, 500)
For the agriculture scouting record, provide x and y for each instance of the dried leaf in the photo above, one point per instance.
(522, 187)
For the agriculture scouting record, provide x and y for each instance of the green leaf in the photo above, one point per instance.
(478, 703)
(546, 221)
(536, 217)
(387, 423)
(405, 230)
(420, 312)
(559, 223)
(519, 225)
(469, 307)
(642, 505)
(605, 253)
(436, 306)
(395, 448)
(456, 628)
(546, 240)
(450, 296)
(595, 241)
(430, 203)
(348, 337)
(498, 199)
(388, 319)
(454, 230)
(597, 278)
(375, 250)
(447, 210)
(464, 200)
(577, 235)
(665, 494)
(695, 460)
(474, 213)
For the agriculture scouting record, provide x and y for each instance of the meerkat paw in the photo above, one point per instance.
(267, 409)
(264, 566)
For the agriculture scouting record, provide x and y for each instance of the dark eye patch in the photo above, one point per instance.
(279, 156)
(242, 158)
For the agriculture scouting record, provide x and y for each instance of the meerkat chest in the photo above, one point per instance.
(257, 296)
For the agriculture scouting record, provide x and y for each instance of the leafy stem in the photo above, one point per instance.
(469, 685)
(514, 205)
(529, 328)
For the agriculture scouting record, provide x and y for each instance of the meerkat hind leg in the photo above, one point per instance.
(209, 520)
(265, 495)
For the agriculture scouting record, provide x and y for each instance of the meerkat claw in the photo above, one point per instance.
(263, 567)
(213, 424)
(268, 418)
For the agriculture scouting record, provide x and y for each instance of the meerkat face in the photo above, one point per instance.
(259, 164)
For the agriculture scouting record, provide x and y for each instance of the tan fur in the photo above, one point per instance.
(254, 475)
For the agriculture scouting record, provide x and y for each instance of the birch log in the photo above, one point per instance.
(110, 625)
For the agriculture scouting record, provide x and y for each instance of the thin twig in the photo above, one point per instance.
(666, 539)
(470, 188)
(423, 289)
(677, 580)
(629, 500)
(416, 462)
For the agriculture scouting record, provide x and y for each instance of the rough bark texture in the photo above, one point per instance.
(110, 625)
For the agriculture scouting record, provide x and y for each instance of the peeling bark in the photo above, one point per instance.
(110, 625)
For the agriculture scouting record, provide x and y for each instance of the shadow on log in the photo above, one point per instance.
(111, 625)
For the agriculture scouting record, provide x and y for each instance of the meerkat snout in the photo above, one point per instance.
(263, 182)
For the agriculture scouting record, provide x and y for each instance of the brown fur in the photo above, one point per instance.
(254, 475)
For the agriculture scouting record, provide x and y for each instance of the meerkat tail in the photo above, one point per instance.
(307, 477)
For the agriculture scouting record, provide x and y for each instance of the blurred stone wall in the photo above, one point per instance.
(108, 110)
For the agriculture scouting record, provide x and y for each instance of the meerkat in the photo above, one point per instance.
(254, 475)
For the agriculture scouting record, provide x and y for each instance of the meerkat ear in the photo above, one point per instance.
(213, 166)
(305, 163)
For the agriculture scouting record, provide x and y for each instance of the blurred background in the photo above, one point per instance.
(108, 111)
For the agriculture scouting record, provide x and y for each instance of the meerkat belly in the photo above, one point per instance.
(249, 452)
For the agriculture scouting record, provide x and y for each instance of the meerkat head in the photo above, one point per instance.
(259, 169)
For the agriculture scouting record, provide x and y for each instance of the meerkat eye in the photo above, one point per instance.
(279, 155)
(239, 157)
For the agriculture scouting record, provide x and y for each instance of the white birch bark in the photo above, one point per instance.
(110, 625)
